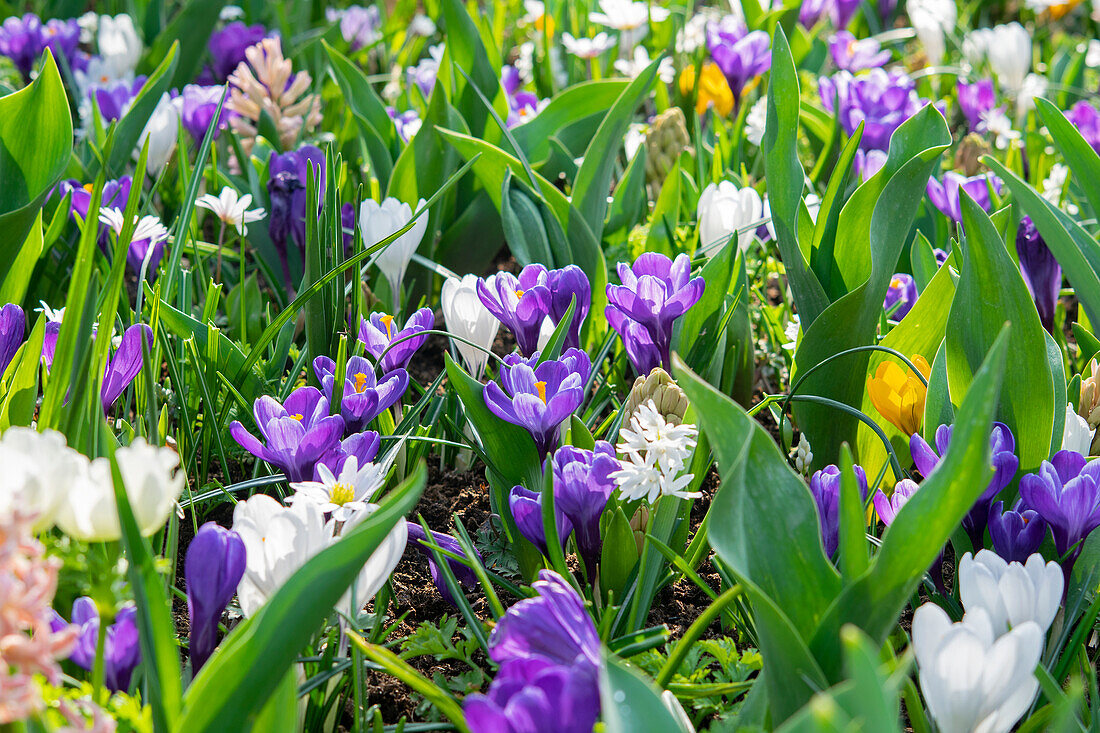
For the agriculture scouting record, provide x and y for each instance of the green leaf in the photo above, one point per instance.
(991, 291)
(666, 216)
(376, 128)
(852, 544)
(700, 323)
(922, 261)
(571, 116)
(629, 203)
(124, 139)
(618, 556)
(268, 644)
(36, 140)
(630, 703)
(191, 29)
(1082, 160)
(19, 383)
(13, 286)
(523, 227)
(467, 51)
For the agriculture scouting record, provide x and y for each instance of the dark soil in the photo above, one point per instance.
(425, 367)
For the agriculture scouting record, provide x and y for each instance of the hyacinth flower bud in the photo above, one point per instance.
(213, 567)
(667, 138)
(667, 396)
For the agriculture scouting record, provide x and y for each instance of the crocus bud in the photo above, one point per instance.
(825, 487)
(468, 318)
(1041, 271)
(378, 221)
(213, 567)
(667, 396)
(723, 210)
(13, 324)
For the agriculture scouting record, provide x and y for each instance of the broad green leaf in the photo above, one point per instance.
(190, 28)
(922, 261)
(467, 51)
(1082, 160)
(666, 216)
(376, 128)
(36, 139)
(13, 285)
(824, 233)
(571, 113)
(629, 203)
(991, 291)
(631, 703)
(223, 697)
(618, 557)
(523, 227)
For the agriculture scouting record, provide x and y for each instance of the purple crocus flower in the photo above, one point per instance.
(812, 11)
(549, 655)
(1016, 532)
(888, 507)
(1003, 447)
(1066, 493)
(1086, 119)
(565, 284)
(199, 105)
(114, 99)
(298, 432)
(869, 162)
(945, 195)
(360, 27)
(378, 333)
(903, 290)
(510, 79)
(976, 99)
(655, 291)
(742, 55)
(115, 195)
(424, 73)
(213, 567)
(825, 487)
(1041, 271)
(122, 647)
(296, 165)
(228, 45)
(842, 12)
(13, 326)
(125, 364)
(852, 54)
(526, 508)
(582, 486)
(49, 343)
(365, 397)
(407, 123)
(881, 100)
(521, 304)
(539, 397)
(523, 107)
(361, 446)
(24, 39)
(464, 574)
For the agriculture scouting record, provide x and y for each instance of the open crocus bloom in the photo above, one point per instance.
(298, 432)
(365, 397)
(393, 346)
(899, 395)
(1011, 593)
(520, 303)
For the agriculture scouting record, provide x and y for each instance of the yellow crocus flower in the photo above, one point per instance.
(713, 89)
(899, 395)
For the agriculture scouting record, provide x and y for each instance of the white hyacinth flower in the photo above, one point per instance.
(231, 209)
(802, 455)
(656, 452)
(344, 495)
(756, 120)
(468, 318)
(973, 680)
(723, 211)
(1010, 593)
(378, 221)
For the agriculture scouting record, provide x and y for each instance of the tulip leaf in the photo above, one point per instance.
(36, 140)
(618, 557)
(523, 225)
(1083, 161)
(938, 408)
(482, 70)
(124, 139)
(629, 203)
(828, 218)
(376, 129)
(267, 644)
(571, 116)
(19, 384)
(991, 291)
(700, 325)
(190, 28)
(631, 703)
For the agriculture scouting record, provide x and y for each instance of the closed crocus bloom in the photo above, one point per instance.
(1009, 55)
(526, 508)
(582, 486)
(972, 679)
(213, 568)
(1076, 435)
(723, 211)
(902, 293)
(1011, 593)
(118, 43)
(38, 472)
(932, 19)
(125, 364)
(945, 195)
(825, 487)
(899, 395)
(852, 54)
(567, 284)
(714, 90)
(298, 432)
(655, 291)
(378, 221)
(539, 397)
(227, 47)
(1017, 532)
(463, 573)
(887, 508)
(1040, 269)
(122, 647)
(520, 303)
(741, 54)
(881, 100)
(468, 318)
(393, 346)
(162, 132)
(365, 397)
(1002, 445)
(975, 100)
(152, 486)
(13, 326)
(1066, 493)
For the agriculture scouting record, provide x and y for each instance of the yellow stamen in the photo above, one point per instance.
(341, 494)
(388, 321)
(297, 416)
(360, 381)
(541, 387)
(88, 187)
(519, 293)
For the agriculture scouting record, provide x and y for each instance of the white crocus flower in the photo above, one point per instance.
(639, 60)
(932, 20)
(587, 48)
(999, 127)
(152, 485)
(973, 680)
(1035, 85)
(119, 44)
(812, 203)
(344, 495)
(1011, 593)
(756, 120)
(1076, 436)
(723, 211)
(1092, 55)
(975, 46)
(233, 211)
(656, 452)
(1009, 55)
(630, 18)
(162, 131)
(38, 470)
(378, 221)
(279, 540)
(468, 318)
